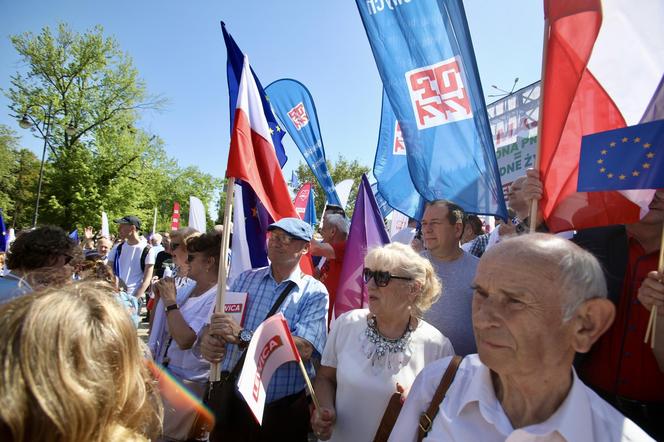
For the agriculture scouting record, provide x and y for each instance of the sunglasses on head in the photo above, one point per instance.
(382, 279)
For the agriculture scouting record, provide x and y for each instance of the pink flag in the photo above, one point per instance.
(301, 200)
(271, 346)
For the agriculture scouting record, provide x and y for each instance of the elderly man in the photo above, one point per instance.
(442, 226)
(332, 248)
(530, 318)
(305, 308)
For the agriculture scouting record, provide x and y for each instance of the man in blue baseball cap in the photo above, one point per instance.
(305, 308)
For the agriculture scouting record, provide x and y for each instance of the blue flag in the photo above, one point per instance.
(294, 105)
(391, 167)
(425, 58)
(383, 206)
(622, 159)
(74, 235)
(3, 234)
(294, 182)
(310, 212)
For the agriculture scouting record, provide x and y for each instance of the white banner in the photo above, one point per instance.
(513, 121)
(105, 232)
(343, 191)
(197, 214)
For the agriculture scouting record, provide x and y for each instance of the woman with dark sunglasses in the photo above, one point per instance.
(186, 311)
(372, 353)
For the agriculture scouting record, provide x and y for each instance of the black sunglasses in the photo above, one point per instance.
(190, 258)
(382, 279)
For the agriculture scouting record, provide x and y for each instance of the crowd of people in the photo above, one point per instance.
(466, 335)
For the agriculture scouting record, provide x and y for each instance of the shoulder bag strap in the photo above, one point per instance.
(426, 418)
(273, 310)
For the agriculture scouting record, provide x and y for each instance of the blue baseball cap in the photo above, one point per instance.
(295, 227)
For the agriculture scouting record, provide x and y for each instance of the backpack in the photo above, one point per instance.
(144, 254)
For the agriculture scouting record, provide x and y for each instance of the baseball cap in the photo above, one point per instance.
(129, 219)
(295, 227)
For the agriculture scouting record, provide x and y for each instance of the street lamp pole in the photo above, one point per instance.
(25, 124)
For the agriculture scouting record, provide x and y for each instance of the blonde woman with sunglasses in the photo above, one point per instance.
(372, 353)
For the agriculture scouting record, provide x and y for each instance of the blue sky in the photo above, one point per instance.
(179, 51)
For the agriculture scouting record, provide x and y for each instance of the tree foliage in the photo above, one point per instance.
(341, 170)
(83, 95)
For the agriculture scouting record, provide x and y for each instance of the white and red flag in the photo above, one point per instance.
(252, 157)
(271, 346)
(302, 199)
(603, 70)
(175, 219)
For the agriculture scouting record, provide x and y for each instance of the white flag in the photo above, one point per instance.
(271, 346)
(197, 214)
(105, 232)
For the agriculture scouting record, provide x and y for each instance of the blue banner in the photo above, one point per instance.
(383, 205)
(622, 159)
(310, 213)
(425, 58)
(294, 105)
(391, 167)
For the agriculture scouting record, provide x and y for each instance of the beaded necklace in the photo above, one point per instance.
(385, 353)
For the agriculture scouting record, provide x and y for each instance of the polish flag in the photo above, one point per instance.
(603, 70)
(271, 346)
(252, 157)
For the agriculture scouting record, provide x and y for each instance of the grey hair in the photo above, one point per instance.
(581, 279)
(403, 260)
(338, 221)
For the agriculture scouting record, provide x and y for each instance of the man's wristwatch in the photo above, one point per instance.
(245, 338)
(171, 307)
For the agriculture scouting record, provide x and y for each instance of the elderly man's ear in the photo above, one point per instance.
(591, 320)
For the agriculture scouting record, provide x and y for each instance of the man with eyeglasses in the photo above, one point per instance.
(442, 226)
(37, 256)
(305, 308)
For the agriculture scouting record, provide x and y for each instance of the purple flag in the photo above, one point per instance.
(367, 230)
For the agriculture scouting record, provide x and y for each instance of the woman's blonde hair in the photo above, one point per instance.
(401, 260)
(73, 369)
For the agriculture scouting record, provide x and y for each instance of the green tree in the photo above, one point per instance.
(8, 156)
(341, 170)
(82, 94)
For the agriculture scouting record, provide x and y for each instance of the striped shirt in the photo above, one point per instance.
(305, 309)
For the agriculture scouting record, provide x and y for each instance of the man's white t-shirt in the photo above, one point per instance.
(130, 263)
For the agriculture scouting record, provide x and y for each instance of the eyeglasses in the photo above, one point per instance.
(174, 245)
(282, 238)
(382, 279)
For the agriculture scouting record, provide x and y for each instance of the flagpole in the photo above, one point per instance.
(538, 148)
(652, 321)
(314, 398)
(221, 277)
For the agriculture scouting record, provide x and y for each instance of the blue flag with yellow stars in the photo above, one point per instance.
(621, 159)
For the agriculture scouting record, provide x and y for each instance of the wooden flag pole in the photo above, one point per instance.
(314, 398)
(215, 374)
(651, 331)
(538, 148)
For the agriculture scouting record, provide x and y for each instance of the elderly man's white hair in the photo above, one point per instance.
(338, 221)
(579, 273)
(156, 239)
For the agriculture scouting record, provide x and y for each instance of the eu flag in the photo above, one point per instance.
(627, 158)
